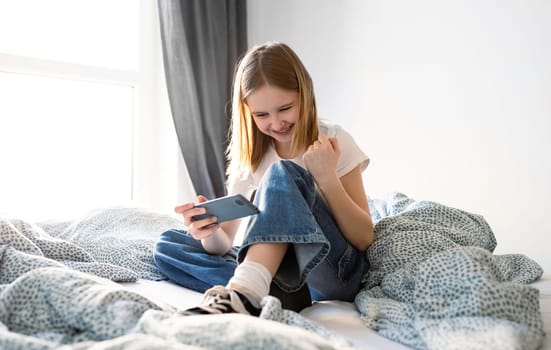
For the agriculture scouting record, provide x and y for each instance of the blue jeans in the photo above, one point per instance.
(291, 211)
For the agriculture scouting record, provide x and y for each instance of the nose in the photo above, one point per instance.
(279, 123)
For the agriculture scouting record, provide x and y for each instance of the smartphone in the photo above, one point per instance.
(227, 208)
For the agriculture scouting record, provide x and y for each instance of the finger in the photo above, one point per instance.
(196, 211)
(201, 198)
(191, 213)
(322, 139)
(183, 207)
(204, 226)
(335, 144)
(210, 227)
(204, 223)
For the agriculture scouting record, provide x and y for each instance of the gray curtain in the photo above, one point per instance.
(202, 40)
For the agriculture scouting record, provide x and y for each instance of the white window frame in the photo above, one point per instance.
(159, 177)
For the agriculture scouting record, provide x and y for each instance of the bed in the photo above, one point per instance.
(434, 284)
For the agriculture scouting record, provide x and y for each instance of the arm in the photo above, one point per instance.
(345, 196)
(215, 238)
(348, 203)
(222, 239)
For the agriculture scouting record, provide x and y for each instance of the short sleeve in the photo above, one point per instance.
(351, 154)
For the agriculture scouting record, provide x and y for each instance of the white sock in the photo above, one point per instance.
(253, 280)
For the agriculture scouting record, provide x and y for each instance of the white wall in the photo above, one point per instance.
(451, 99)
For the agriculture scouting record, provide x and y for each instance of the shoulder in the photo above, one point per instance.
(335, 130)
(329, 129)
(351, 154)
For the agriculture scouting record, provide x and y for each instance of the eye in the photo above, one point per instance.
(286, 108)
(260, 115)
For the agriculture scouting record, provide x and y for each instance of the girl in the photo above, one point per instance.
(314, 223)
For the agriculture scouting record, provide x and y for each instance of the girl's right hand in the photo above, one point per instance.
(199, 229)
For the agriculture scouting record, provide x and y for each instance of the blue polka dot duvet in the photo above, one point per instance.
(57, 292)
(435, 284)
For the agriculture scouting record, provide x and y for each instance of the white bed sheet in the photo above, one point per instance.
(340, 317)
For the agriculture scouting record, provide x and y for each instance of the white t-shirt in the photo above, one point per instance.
(351, 156)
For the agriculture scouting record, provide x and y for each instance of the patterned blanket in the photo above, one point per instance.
(56, 293)
(434, 283)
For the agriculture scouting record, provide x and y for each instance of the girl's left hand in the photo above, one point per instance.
(321, 158)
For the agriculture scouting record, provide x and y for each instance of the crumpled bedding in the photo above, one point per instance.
(56, 292)
(58, 308)
(435, 284)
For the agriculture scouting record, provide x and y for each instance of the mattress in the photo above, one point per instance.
(341, 318)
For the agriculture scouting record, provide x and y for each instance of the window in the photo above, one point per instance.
(69, 83)
(102, 33)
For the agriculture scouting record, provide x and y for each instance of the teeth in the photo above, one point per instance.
(282, 131)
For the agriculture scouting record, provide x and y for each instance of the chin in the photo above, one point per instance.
(286, 138)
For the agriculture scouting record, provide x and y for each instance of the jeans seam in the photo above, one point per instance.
(307, 269)
(343, 261)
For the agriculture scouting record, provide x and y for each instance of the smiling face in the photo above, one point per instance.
(275, 112)
(273, 105)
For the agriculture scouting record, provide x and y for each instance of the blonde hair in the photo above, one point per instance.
(277, 65)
